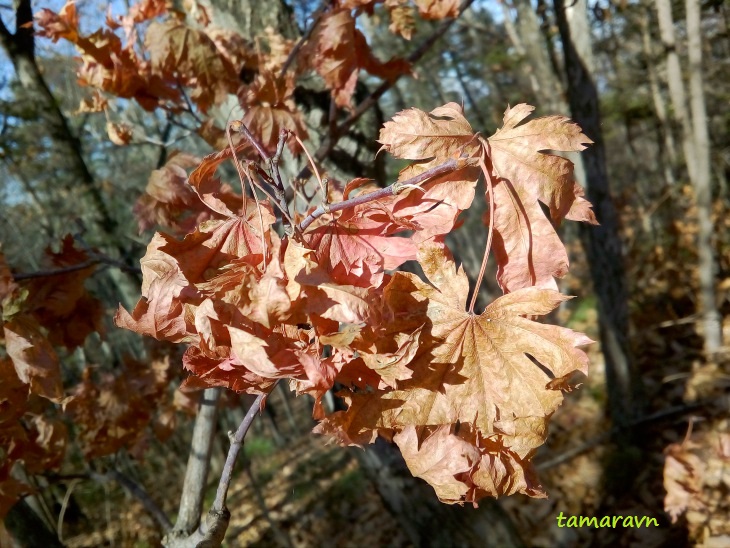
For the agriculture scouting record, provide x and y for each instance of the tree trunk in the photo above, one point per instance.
(20, 48)
(546, 85)
(602, 243)
(675, 83)
(711, 321)
(669, 159)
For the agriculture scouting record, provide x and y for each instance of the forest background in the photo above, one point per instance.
(92, 165)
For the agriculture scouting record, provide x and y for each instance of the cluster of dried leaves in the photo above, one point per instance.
(45, 319)
(467, 397)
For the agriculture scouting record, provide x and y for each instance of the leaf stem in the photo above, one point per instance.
(273, 163)
(490, 193)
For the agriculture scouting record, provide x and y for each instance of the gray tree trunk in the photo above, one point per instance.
(674, 81)
(601, 243)
(660, 109)
(80, 185)
(711, 320)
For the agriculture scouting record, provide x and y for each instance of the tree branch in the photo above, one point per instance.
(236, 443)
(20, 48)
(395, 188)
(196, 473)
(212, 531)
(606, 436)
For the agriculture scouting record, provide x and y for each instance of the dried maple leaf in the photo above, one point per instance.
(112, 411)
(439, 459)
(269, 108)
(402, 21)
(438, 9)
(175, 48)
(106, 63)
(526, 246)
(683, 474)
(218, 197)
(435, 209)
(474, 370)
(160, 312)
(357, 254)
(119, 134)
(440, 134)
(35, 360)
(314, 287)
(168, 200)
(61, 25)
(338, 50)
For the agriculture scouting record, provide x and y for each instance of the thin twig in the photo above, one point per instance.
(272, 162)
(241, 128)
(395, 188)
(191, 110)
(64, 506)
(56, 271)
(276, 174)
(219, 504)
(605, 436)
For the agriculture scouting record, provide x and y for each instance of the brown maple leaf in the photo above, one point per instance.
(168, 200)
(175, 48)
(270, 108)
(35, 360)
(61, 25)
(526, 246)
(441, 134)
(338, 50)
(438, 9)
(474, 370)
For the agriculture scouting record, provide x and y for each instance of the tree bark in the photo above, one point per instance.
(80, 183)
(20, 48)
(660, 109)
(196, 473)
(675, 83)
(601, 243)
(545, 83)
(711, 320)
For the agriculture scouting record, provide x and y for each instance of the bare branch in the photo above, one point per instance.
(219, 504)
(55, 272)
(393, 189)
(213, 530)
